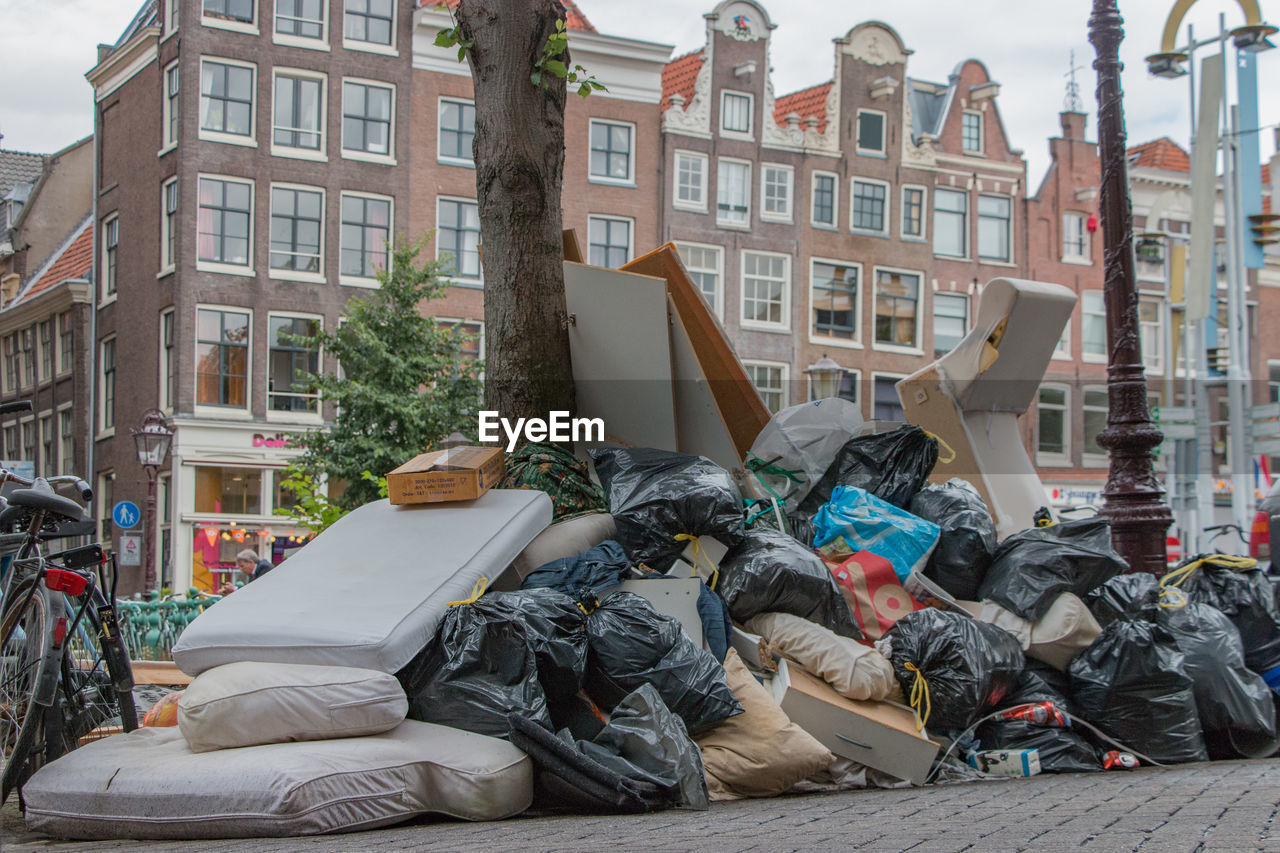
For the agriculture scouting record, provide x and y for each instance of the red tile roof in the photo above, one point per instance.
(574, 19)
(1163, 154)
(679, 76)
(75, 262)
(806, 103)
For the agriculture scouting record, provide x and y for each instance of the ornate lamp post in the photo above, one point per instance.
(1139, 517)
(826, 376)
(151, 439)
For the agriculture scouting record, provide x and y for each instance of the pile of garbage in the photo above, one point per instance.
(827, 618)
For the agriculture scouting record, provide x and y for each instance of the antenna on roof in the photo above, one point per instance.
(1072, 103)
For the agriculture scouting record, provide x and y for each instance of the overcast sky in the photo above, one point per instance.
(47, 46)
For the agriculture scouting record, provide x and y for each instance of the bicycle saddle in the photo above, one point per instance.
(41, 496)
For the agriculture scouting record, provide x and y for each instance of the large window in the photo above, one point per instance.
(457, 131)
(897, 307)
(303, 19)
(65, 338)
(48, 461)
(735, 112)
(228, 491)
(66, 441)
(950, 223)
(367, 110)
(1075, 238)
(1095, 421)
(297, 222)
(771, 381)
(690, 191)
(870, 206)
(1151, 328)
(28, 440)
(1093, 326)
(29, 356)
(46, 349)
(223, 222)
(107, 389)
(825, 189)
(870, 132)
(291, 361)
(834, 296)
(366, 228)
(238, 11)
(222, 357)
(775, 192)
(705, 267)
(371, 22)
(733, 192)
(608, 241)
(971, 132)
(298, 113)
(12, 363)
(171, 105)
(169, 224)
(1053, 422)
(226, 99)
(950, 321)
(458, 237)
(168, 366)
(612, 152)
(912, 213)
(110, 254)
(994, 218)
(886, 405)
(766, 288)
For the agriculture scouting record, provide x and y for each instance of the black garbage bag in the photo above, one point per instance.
(770, 572)
(803, 529)
(1245, 596)
(502, 654)
(970, 667)
(967, 539)
(591, 572)
(1062, 749)
(654, 495)
(1132, 683)
(1130, 596)
(632, 644)
(1033, 567)
(1054, 680)
(892, 466)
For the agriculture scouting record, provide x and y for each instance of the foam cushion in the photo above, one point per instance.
(1067, 629)
(370, 591)
(565, 539)
(149, 784)
(247, 704)
(760, 752)
(852, 669)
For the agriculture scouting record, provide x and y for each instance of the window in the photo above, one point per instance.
(870, 132)
(107, 395)
(370, 21)
(608, 241)
(993, 227)
(704, 265)
(291, 361)
(1075, 238)
(366, 230)
(1063, 348)
(458, 237)
(367, 110)
(168, 368)
(47, 460)
(1093, 326)
(870, 202)
(1053, 420)
(28, 429)
(897, 305)
(29, 357)
(11, 448)
(1151, 330)
(237, 11)
(771, 381)
(46, 349)
(825, 189)
(733, 193)
(950, 321)
(971, 132)
(222, 358)
(67, 441)
(1095, 421)
(690, 191)
(171, 16)
(226, 99)
(766, 286)
(912, 213)
(12, 363)
(302, 19)
(64, 341)
(110, 253)
(297, 220)
(611, 152)
(775, 192)
(170, 117)
(169, 224)
(223, 222)
(457, 131)
(950, 223)
(886, 405)
(834, 295)
(735, 113)
(298, 113)
(228, 491)
(1273, 381)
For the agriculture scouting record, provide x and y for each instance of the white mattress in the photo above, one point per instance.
(149, 784)
(370, 591)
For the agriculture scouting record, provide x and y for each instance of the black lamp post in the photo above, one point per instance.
(151, 439)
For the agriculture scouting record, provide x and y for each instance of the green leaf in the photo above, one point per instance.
(462, 52)
(560, 25)
(585, 89)
(599, 87)
(536, 77)
(555, 66)
(447, 37)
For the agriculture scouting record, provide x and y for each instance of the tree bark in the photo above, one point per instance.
(519, 157)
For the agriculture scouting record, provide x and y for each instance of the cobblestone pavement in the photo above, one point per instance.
(1204, 807)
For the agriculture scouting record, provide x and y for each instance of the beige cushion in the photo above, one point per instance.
(565, 539)
(852, 669)
(760, 752)
(1067, 629)
(247, 704)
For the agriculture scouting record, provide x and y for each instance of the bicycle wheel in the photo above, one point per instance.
(91, 705)
(23, 637)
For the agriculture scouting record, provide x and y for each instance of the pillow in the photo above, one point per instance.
(852, 669)
(565, 539)
(247, 704)
(760, 752)
(1067, 629)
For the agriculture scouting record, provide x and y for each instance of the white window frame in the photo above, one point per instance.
(165, 382)
(1048, 459)
(64, 364)
(1153, 362)
(167, 105)
(915, 347)
(442, 158)
(785, 324)
(216, 266)
(871, 401)
(789, 171)
(455, 322)
(373, 47)
(856, 341)
(749, 133)
(702, 160)
(1062, 349)
(883, 150)
(65, 411)
(295, 275)
(631, 232)
(106, 298)
(923, 236)
(319, 43)
(455, 278)
(249, 140)
(947, 295)
(43, 376)
(291, 416)
(1101, 315)
(363, 281)
(834, 224)
(388, 159)
(982, 141)
(1087, 459)
(321, 154)
(966, 236)
(250, 27)
(214, 409)
(718, 297)
(977, 217)
(746, 195)
(888, 205)
(168, 228)
(1086, 258)
(172, 12)
(100, 416)
(630, 179)
(784, 378)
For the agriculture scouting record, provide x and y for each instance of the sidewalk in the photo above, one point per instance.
(1202, 807)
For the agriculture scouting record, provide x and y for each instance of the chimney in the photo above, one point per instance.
(1073, 124)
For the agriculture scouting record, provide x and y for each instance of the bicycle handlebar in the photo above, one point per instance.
(81, 487)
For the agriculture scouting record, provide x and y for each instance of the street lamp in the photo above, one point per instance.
(151, 439)
(826, 376)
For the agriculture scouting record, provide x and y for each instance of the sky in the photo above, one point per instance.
(46, 46)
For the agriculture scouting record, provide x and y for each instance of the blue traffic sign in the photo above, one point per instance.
(125, 515)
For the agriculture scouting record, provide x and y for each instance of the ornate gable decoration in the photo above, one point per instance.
(874, 44)
(693, 118)
(742, 22)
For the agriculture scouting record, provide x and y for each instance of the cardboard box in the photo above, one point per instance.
(878, 734)
(1006, 762)
(455, 474)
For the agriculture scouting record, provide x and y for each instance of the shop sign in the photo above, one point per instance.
(270, 441)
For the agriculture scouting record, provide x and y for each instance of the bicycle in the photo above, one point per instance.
(64, 670)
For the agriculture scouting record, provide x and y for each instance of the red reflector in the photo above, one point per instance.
(1260, 536)
(60, 631)
(60, 580)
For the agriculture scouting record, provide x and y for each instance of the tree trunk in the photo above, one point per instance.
(519, 156)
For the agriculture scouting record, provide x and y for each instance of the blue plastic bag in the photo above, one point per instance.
(868, 523)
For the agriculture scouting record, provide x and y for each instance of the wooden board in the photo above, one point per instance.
(159, 672)
(572, 248)
(700, 429)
